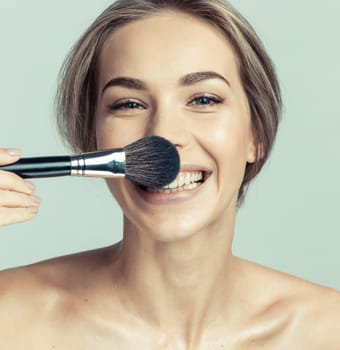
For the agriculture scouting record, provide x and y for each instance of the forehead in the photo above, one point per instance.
(168, 45)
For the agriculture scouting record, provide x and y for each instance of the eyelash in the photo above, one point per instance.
(123, 105)
(212, 100)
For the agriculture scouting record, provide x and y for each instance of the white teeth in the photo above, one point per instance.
(181, 181)
(194, 177)
(184, 181)
(173, 184)
(178, 189)
(187, 179)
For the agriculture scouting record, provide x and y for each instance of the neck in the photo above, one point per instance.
(181, 285)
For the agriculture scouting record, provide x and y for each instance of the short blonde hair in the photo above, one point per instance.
(78, 85)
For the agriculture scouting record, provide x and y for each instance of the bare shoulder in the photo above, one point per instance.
(319, 317)
(316, 321)
(25, 298)
(307, 315)
(61, 273)
(35, 296)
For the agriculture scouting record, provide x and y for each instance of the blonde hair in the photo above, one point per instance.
(77, 93)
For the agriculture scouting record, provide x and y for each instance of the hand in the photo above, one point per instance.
(17, 202)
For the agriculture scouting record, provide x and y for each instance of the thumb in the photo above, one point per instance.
(9, 155)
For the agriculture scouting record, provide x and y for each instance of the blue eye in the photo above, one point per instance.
(127, 105)
(206, 101)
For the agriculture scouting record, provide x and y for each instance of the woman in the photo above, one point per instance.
(195, 73)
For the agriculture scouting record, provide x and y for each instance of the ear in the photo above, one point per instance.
(255, 149)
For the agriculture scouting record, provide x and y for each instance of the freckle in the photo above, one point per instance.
(86, 300)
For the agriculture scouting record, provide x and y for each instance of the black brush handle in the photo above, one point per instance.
(40, 167)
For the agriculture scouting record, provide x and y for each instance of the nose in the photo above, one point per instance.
(171, 126)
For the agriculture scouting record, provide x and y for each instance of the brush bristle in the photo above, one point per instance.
(151, 161)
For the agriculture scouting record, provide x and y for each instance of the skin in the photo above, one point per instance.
(17, 201)
(173, 282)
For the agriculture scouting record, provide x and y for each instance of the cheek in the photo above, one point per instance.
(228, 138)
(228, 145)
(115, 133)
(116, 187)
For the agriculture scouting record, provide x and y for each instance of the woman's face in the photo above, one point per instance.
(176, 76)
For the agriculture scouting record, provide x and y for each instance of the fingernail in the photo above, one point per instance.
(30, 186)
(35, 199)
(13, 152)
(33, 210)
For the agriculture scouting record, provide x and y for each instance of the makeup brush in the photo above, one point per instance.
(151, 161)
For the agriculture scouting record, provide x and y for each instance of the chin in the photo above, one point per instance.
(167, 216)
(174, 229)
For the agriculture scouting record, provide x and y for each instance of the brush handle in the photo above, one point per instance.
(36, 167)
(104, 164)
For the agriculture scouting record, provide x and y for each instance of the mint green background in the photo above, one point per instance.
(290, 220)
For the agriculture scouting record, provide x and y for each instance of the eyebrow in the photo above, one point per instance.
(130, 83)
(196, 77)
(188, 79)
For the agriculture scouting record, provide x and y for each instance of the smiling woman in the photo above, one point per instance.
(256, 73)
(195, 73)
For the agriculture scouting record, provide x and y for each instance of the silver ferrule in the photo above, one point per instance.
(104, 164)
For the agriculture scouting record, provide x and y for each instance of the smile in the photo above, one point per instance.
(184, 181)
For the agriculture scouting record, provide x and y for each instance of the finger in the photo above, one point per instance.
(9, 155)
(12, 199)
(15, 215)
(12, 182)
